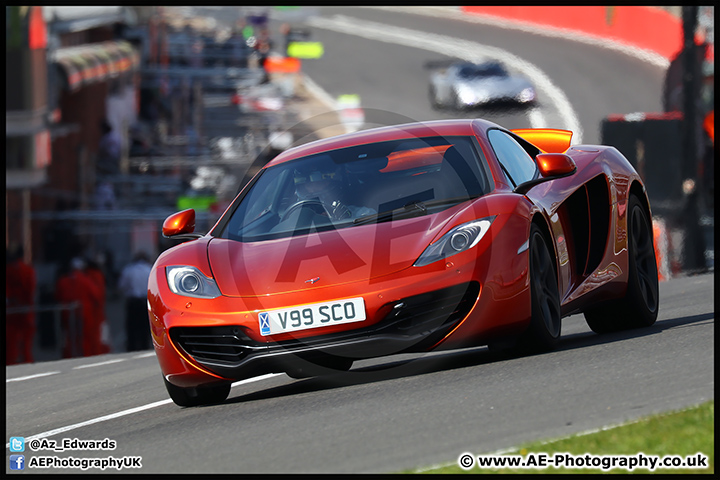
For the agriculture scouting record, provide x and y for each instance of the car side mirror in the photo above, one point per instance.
(180, 225)
(551, 166)
(555, 165)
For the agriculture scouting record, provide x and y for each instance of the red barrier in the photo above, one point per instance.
(282, 65)
(662, 250)
(648, 28)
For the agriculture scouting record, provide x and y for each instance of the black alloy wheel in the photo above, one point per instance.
(639, 307)
(642, 255)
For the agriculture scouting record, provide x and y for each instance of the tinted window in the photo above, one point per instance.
(348, 187)
(514, 158)
(484, 70)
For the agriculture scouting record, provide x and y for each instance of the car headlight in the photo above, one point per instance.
(527, 95)
(459, 239)
(190, 282)
(466, 94)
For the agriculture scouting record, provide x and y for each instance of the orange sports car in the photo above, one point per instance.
(405, 238)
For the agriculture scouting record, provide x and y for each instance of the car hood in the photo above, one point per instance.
(321, 259)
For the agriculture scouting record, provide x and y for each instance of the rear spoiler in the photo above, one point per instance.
(549, 140)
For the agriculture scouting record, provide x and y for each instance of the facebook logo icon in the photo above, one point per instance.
(17, 462)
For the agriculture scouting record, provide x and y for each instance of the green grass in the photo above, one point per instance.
(682, 433)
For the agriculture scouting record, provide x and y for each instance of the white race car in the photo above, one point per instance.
(462, 85)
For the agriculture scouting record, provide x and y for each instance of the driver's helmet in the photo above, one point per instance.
(324, 186)
(317, 184)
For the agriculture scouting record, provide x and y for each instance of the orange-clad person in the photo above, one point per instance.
(66, 294)
(97, 306)
(74, 286)
(709, 125)
(19, 293)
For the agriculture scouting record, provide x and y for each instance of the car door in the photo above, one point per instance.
(517, 160)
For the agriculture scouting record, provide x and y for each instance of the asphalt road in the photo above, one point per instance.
(411, 411)
(380, 55)
(386, 415)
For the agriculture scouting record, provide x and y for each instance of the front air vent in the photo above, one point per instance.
(224, 344)
(433, 310)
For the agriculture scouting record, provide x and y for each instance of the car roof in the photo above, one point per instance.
(481, 67)
(461, 127)
(487, 63)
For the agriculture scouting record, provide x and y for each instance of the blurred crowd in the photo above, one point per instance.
(65, 309)
(19, 298)
(81, 290)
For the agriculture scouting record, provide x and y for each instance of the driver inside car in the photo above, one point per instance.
(326, 188)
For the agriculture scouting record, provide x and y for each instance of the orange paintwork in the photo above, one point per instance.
(549, 140)
(420, 157)
(282, 64)
(179, 223)
(555, 164)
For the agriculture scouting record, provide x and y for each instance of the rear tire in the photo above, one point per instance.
(194, 396)
(639, 307)
(432, 94)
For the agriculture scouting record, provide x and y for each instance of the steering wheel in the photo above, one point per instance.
(339, 211)
(314, 203)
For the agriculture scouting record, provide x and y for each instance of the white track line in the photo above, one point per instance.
(20, 379)
(129, 411)
(107, 362)
(146, 354)
(465, 49)
(318, 92)
(546, 31)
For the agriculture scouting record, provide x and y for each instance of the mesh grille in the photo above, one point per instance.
(431, 314)
(224, 344)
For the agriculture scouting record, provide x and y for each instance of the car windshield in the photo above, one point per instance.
(354, 186)
(485, 70)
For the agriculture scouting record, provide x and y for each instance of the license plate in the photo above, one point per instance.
(314, 315)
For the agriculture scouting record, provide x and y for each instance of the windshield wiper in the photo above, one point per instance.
(416, 206)
(408, 210)
(402, 212)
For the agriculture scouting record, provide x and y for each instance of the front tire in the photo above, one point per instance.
(457, 105)
(194, 396)
(543, 333)
(639, 307)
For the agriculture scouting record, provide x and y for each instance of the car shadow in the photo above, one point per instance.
(586, 339)
(453, 359)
